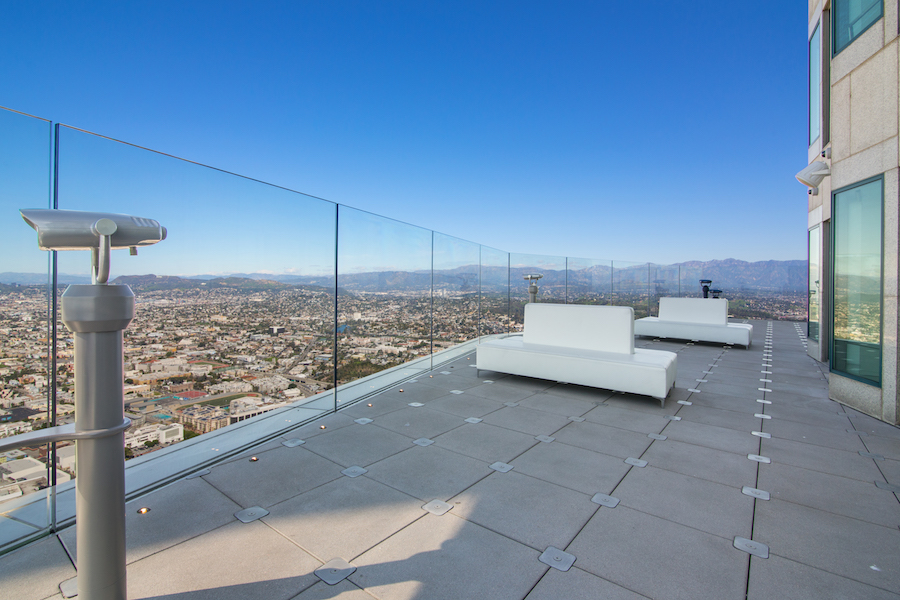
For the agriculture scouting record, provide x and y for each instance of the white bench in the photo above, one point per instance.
(702, 319)
(584, 345)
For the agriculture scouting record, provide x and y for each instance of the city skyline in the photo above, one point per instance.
(520, 127)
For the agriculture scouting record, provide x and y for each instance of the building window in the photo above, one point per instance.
(815, 86)
(856, 280)
(812, 330)
(852, 18)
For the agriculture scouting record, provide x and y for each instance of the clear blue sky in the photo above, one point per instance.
(648, 131)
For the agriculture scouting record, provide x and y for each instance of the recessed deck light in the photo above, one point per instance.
(254, 458)
(143, 510)
(370, 404)
(401, 389)
(321, 427)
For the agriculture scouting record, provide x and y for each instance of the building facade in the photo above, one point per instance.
(852, 180)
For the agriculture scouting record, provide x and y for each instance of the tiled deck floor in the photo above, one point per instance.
(830, 531)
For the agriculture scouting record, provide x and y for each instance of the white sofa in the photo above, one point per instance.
(585, 345)
(702, 319)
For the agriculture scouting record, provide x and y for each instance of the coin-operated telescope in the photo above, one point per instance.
(96, 314)
(532, 287)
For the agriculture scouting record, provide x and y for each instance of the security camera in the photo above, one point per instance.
(813, 175)
(80, 230)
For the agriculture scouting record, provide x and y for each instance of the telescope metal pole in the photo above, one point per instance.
(97, 315)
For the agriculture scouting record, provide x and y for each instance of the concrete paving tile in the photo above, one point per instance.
(465, 405)
(429, 473)
(746, 403)
(576, 584)
(35, 571)
(559, 403)
(580, 392)
(278, 475)
(178, 512)
(849, 497)
(818, 391)
(344, 518)
(600, 438)
(359, 445)
(525, 384)
(777, 577)
(527, 420)
(830, 437)
(217, 566)
(380, 406)
(330, 422)
(705, 463)
(737, 390)
(659, 558)
(808, 416)
(571, 467)
(887, 447)
(711, 436)
(420, 422)
(625, 418)
(448, 558)
(344, 590)
(447, 382)
(711, 507)
(501, 393)
(830, 542)
(486, 442)
(412, 392)
(891, 470)
(871, 425)
(647, 404)
(720, 417)
(531, 511)
(818, 458)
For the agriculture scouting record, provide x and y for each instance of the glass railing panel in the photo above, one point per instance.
(494, 313)
(456, 284)
(589, 281)
(665, 282)
(234, 310)
(631, 286)
(551, 284)
(26, 399)
(384, 316)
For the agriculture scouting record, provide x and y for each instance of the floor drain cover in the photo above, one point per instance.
(545, 438)
(437, 507)
(423, 442)
(557, 559)
(292, 443)
(636, 462)
(248, 515)
(354, 471)
(473, 420)
(363, 421)
(335, 571)
(501, 467)
(604, 500)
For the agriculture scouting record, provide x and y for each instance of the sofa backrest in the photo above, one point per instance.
(605, 328)
(708, 311)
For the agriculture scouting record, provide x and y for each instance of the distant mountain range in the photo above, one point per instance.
(728, 275)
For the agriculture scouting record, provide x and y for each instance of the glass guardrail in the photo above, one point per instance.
(263, 309)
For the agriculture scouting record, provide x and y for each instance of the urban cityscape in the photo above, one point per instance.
(204, 354)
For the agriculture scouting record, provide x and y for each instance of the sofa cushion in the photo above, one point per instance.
(709, 311)
(580, 327)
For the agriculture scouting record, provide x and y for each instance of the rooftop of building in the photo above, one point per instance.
(410, 488)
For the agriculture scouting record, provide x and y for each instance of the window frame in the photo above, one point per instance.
(835, 8)
(832, 263)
